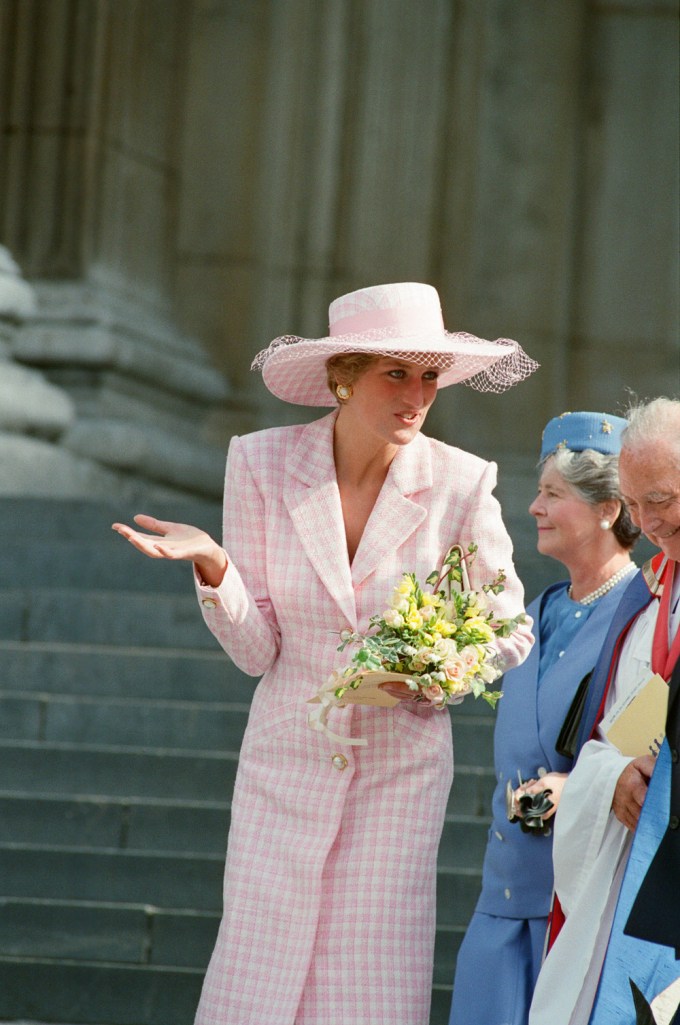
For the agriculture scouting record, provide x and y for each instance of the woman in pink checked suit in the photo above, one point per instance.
(329, 898)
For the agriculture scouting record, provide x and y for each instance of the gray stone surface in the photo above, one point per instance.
(120, 772)
(86, 993)
(147, 358)
(29, 403)
(149, 452)
(107, 822)
(17, 297)
(33, 467)
(103, 617)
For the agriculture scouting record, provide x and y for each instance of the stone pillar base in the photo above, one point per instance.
(121, 401)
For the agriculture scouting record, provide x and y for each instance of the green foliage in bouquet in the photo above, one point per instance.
(441, 639)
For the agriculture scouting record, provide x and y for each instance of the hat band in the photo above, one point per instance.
(414, 320)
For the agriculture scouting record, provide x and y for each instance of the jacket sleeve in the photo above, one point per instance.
(485, 527)
(239, 612)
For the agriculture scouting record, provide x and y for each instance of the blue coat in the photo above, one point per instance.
(518, 876)
(635, 598)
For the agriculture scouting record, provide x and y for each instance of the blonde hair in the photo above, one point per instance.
(346, 367)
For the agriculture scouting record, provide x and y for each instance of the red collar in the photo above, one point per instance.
(653, 572)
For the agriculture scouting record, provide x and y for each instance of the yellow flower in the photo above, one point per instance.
(406, 586)
(480, 626)
(414, 620)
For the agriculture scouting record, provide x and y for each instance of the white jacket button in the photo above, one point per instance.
(208, 603)
(339, 762)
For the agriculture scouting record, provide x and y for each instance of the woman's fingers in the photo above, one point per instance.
(175, 541)
(147, 545)
(397, 690)
(162, 527)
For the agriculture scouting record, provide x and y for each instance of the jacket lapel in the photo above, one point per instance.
(395, 514)
(312, 499)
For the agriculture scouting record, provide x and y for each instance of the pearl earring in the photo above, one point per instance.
(605, 524)
(344, 392)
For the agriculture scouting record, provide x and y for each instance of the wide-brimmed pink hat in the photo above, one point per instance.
(402, 320)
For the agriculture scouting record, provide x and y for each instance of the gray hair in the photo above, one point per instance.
(656, 420)
(594, 476)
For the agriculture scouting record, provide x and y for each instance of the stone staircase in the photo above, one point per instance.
(120, 723)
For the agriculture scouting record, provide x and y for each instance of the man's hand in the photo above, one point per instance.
(631, 790)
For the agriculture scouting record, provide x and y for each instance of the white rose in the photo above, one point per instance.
(445, 648)
(488, 673)
(393, 618)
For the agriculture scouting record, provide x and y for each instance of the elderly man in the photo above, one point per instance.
(615, 839)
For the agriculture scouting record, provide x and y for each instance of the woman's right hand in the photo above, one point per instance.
(178, 541)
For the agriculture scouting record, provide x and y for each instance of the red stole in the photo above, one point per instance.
(663, 657)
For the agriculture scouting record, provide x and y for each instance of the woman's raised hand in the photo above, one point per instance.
(177, 541)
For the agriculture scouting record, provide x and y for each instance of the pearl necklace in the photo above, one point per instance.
(630, 567)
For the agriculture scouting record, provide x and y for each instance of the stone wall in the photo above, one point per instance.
(219, 170)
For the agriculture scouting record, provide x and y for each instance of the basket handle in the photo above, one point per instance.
(464, 583)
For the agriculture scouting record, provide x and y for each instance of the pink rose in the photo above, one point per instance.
(434, 694)
(454, 668)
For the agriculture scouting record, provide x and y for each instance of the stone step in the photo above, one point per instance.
(82, 992)
(463, 842)
(441, 1004)
(109, 563)
(103, 931)
(142, 672)
(169, 880)
(122, 672)
(138, 934)
(170, 826)
(85, 993)
(76, 719)
(39, 519)
(457, 893)
(173, 725)
(103, 617)
(101, 770)
(109, 771)
(106, 822)
(447, 944)
(166, 879)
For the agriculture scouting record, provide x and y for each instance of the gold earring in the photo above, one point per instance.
(344, 392)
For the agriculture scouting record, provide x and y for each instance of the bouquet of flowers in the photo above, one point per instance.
(436, 642)
(440, 639)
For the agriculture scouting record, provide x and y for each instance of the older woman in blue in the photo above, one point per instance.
(583, 524)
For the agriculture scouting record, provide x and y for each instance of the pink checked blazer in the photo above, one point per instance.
(329, 897)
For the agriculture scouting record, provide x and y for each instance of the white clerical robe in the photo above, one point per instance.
(589, 854)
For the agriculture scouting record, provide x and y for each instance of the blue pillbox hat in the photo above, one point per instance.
(578, 431)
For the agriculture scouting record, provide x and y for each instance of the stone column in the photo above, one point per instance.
(626, 318)
(91, 184)
(48, 57)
